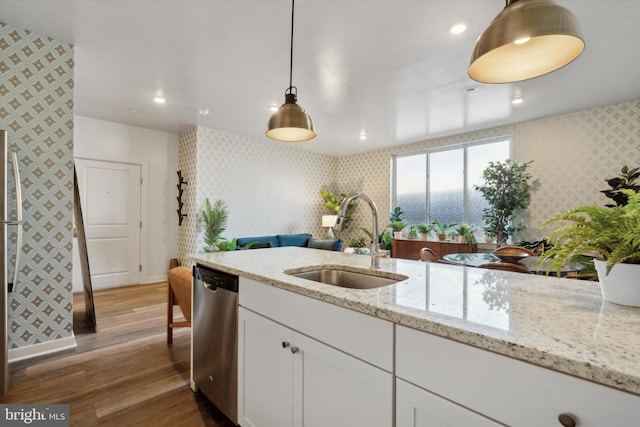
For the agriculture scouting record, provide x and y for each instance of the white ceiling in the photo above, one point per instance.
(388, 67)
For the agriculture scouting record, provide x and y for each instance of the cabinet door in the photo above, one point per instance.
(334, 389)
(264, 372)
(416, 407)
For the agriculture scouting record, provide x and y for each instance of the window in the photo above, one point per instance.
(439, 184)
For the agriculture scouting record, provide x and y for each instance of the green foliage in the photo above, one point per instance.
(627, 180)
(396, 215)
(333, 202)
(424, 228)
(228, 245)
(359, 242)
(467, 233)
(213, 222)
(441, 228)
(612, 232)
(506, 189)
(397, 225)
(413, 233)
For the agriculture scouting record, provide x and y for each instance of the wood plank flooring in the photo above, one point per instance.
(124, 374)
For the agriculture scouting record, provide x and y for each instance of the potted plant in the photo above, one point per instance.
(413, 233)
(614, 234)
(397, 227)
(467, 234)
(628, 179)
(213, 222)
(441, 229)
(424, 229)
(506, 190)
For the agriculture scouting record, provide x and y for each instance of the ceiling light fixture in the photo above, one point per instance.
(528, 39)
(159, 99)
(363, 135)
(458, 28)
(291, 122)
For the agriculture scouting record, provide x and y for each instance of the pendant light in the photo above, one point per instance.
(291, 122)
(529, 38)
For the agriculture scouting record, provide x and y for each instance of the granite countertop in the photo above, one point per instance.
(560, 324)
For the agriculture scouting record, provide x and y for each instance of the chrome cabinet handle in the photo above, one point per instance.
(285, 344)
(294, 350)
(567, 420)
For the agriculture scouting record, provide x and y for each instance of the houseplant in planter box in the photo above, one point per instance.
(614, 233)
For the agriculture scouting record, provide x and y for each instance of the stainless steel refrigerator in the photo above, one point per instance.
(10, 242)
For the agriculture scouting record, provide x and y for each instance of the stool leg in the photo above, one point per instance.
(170, 302)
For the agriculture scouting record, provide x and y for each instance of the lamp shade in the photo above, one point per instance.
(290, 122)
(329, 220)
(529, 38)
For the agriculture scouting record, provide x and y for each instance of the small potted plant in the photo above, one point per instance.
(441, 229)
(213, 222)
(397, 227)
(424, 229)
(614, 234)
(413, 233)
(467, 234)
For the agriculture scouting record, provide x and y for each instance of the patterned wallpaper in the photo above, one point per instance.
(272, 187)
(269, 188)
(36, 107)
(572, 153)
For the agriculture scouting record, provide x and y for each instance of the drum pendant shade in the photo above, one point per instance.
(528, 39)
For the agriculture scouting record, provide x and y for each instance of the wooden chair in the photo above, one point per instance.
(178, 293)
(427, 254)
(506, 266)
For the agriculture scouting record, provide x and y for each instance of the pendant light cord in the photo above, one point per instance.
(291, 52)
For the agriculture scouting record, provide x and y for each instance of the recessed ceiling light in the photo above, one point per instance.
(518, 99)
(203, 112)
(458, 28)
(159, 99)
(363, 135)
(274, 107)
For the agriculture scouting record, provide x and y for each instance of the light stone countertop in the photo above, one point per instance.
(561, 324)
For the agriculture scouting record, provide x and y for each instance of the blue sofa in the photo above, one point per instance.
(302, 240)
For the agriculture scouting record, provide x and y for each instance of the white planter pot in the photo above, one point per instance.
(621, 285)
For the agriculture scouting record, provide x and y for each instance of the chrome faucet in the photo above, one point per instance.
(376, 253)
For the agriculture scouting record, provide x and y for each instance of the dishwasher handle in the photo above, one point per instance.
(214, 279)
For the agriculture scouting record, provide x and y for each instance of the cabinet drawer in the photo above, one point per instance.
(505, 389)
(362, 336)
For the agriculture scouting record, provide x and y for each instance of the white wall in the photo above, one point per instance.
(157, 153)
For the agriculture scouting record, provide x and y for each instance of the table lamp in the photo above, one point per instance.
(329, 221)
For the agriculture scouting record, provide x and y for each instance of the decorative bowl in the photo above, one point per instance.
(512, 254)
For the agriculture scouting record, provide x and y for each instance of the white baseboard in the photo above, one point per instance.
(40, 349)
(156, 279)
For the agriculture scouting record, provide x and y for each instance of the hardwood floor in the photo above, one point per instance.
(124, 374)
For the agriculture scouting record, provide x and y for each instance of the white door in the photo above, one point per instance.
(110, 199)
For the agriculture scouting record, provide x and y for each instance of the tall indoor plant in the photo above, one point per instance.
(614, 234)
(506, 190)
(213, 222)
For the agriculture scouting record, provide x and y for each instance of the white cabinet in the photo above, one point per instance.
(416, 407)
(504, 389)
(265, 371)
(289, 376)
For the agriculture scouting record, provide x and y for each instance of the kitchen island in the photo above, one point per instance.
(559, 324)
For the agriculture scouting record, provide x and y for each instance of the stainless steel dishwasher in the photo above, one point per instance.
(215, 338)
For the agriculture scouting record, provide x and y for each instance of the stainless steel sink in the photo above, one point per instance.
(347, 279)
